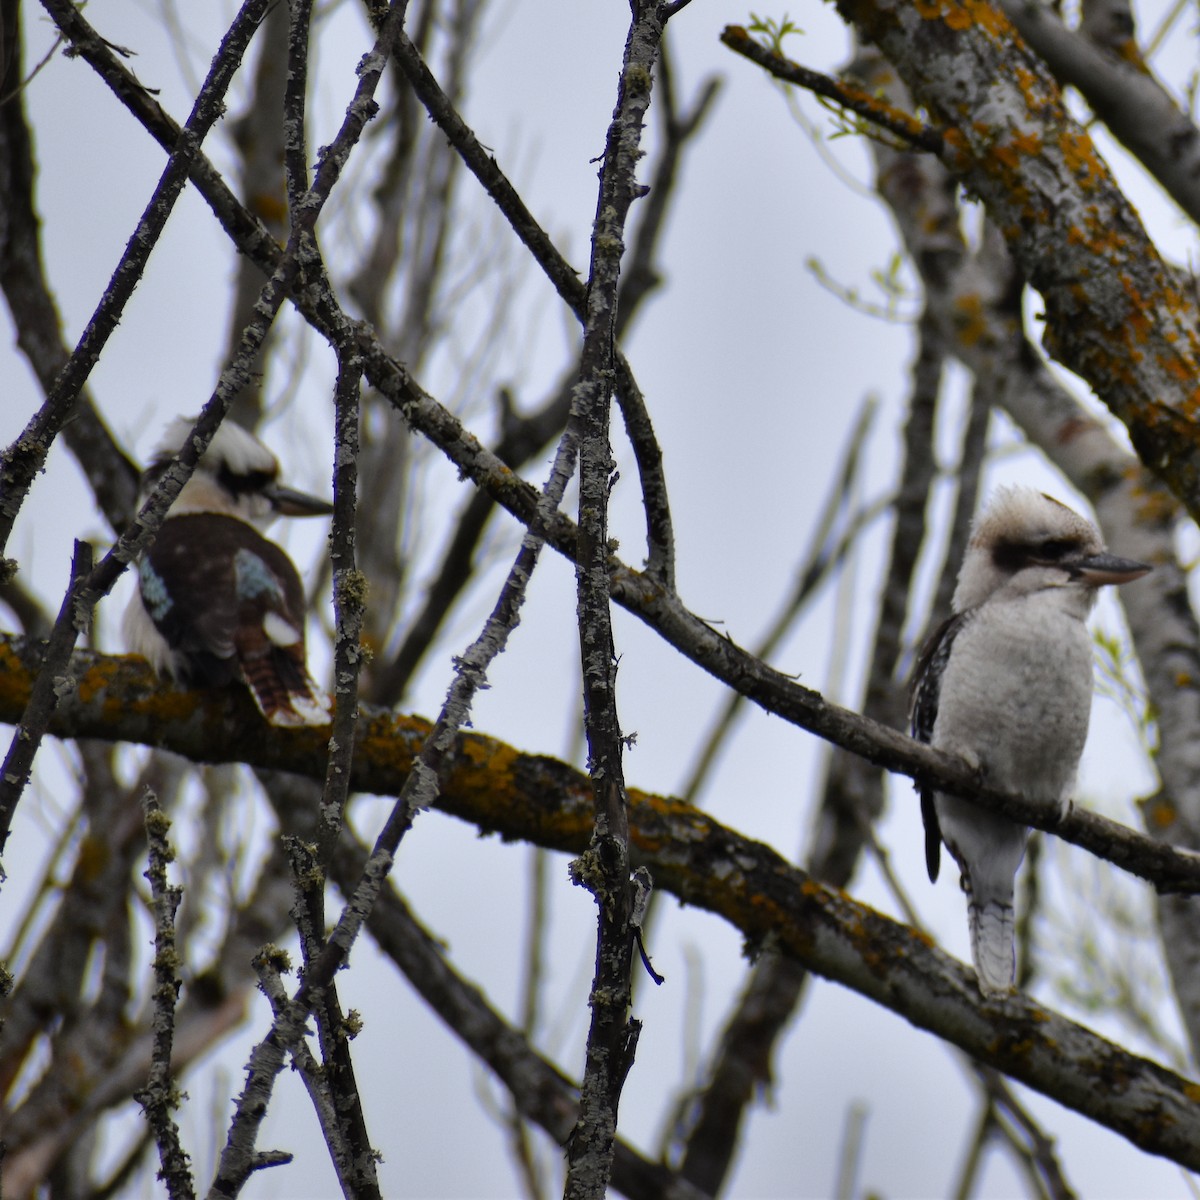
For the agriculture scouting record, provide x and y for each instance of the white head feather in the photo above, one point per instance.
(1025, 541)
(231, 477)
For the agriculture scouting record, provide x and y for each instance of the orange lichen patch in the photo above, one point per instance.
(15, 684)
(1017, 1048)
(888, 113)
(1183, 679)
(388, 742)
(167, 705)
(1159, 813)
(956, 152)
(1174, 300)
(483, 766)
(92, 684)
(966, 15)
(1079, 294)
(988, 17)
(1020, 145)
(1177, 368)
(1132, 291)
(1038, 97)
(1137, 326)
(94, 855)
(270, 206)
(1129, 51)
(1081, 158)
(1191, 1091)
(1008, 155)
(924, 938)
(1101, 239)
(970, 322)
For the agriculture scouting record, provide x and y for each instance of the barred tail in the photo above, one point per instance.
(992, 946)
(283, 690)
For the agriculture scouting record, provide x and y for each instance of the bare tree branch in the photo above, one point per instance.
(708, 865)
(540, 1091)
(1122, 92)
(27, 455)
(158, 1097)
(845, 94)
(31, 302)
(604, 868)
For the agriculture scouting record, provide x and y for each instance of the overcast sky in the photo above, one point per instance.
(754, 374)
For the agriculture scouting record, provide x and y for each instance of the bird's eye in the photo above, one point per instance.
(1054, 549)
(247, 483)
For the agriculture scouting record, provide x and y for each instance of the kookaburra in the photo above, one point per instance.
(217, 601)
(1006, 683)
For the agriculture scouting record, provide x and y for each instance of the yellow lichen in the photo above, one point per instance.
(1081, 159)
(970, 321)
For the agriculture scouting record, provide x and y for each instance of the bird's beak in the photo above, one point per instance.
(1099, 569)
(289, 503)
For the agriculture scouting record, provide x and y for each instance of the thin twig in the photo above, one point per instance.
(604, 868)
(834, 532)
(159, 1097)
(47, 689)
(269, 966)
(540, 1091)
(483, 165)
(347, 1137)
(85, 593)
(238, 1158)
(27, 455)
(847, 95)
(970, 468)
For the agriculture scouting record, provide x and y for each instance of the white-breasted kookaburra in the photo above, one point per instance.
(1006, 683)
(217, 601)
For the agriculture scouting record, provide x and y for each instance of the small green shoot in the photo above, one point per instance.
(771, 32)
(897, 296)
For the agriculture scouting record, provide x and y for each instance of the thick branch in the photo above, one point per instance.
(1114, 312)
(1135, 106)
(119, 699)
(539, 800)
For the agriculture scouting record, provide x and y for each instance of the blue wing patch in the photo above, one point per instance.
(154, 592)
(255, 578)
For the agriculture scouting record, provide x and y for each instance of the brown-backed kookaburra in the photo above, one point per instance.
(1006, 683)
(217, 601)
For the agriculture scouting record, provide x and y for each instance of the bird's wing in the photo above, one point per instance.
(186, 580)
(270, 635)
(232, 604)
(924, 693)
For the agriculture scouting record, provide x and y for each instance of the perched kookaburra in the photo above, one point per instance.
(1006, 683)
(217, 601)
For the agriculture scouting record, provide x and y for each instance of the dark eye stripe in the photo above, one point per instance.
(250, 481)
(1054, 549)
(1012, 556)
